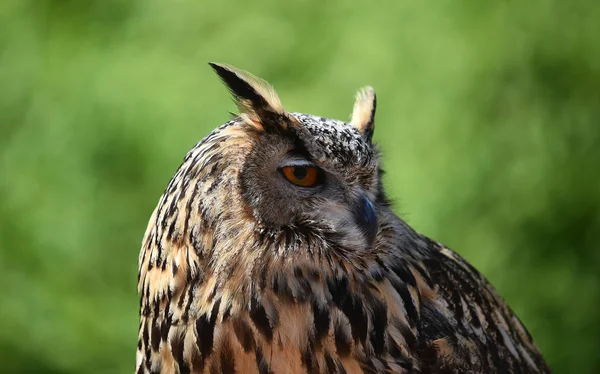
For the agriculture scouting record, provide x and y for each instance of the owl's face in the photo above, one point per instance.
(320, 176)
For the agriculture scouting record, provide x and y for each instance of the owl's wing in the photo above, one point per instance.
(458, 321)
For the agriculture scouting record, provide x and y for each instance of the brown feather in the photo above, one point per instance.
(223, 289)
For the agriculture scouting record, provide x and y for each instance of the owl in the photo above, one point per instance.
(274, 249)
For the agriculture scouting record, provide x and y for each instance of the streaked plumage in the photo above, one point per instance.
(242, 271)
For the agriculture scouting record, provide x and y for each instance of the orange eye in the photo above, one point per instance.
(305, 176)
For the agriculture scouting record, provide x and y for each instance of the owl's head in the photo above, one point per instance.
(281, 180)
(302, 170)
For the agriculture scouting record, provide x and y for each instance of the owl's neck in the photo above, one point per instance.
(232, 266)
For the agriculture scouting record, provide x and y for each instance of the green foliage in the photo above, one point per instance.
(488, 120)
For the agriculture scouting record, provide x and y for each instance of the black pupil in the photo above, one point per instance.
(300, 172)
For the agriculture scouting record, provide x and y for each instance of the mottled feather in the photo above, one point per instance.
(235, 276)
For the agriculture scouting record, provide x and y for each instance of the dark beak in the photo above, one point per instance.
(366, 218)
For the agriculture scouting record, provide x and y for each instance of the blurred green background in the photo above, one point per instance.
(488, 120)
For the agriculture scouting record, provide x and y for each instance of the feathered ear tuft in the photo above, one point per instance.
(363, 115)
(255, 98)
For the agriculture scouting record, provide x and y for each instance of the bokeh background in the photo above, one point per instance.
(488, 120)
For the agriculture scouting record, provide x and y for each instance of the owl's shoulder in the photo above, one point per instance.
(462, 322)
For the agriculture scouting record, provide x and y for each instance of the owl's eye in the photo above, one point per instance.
(301, 175)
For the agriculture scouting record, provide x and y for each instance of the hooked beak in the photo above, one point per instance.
(366, 218)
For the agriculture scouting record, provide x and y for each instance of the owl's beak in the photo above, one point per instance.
(366, 218)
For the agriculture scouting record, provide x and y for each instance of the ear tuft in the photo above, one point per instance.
(363, 115)
(252, 95)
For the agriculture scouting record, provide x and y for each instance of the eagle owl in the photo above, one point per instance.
(275, 250)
